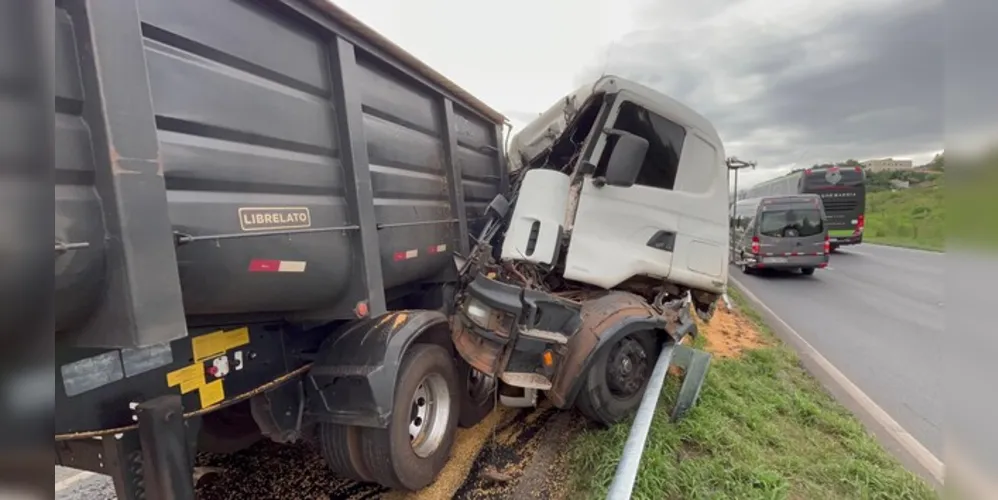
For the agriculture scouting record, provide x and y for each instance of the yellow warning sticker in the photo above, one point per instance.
(212, 393)
(192, 384)
(214, 344)
(190, 372)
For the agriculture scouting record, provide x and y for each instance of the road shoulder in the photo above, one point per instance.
(892, 436)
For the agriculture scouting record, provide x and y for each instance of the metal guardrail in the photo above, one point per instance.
(695, 364)
(627, 469)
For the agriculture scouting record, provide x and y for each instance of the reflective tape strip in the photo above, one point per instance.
(276, 266)
(436, 249)
(406, 255)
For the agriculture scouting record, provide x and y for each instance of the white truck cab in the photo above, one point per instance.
(649, 183)
(618, 223)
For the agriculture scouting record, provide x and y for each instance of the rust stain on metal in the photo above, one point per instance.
(478, 352)
(596, 317)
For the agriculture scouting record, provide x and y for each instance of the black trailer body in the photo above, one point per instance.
(237, 182)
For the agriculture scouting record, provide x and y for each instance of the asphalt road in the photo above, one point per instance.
(72, 484)
(876, 313)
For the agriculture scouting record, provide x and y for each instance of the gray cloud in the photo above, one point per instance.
(867, 83)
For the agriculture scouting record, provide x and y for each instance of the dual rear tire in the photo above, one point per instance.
(431, 400)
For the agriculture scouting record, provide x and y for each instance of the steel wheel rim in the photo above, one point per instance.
(627, 368)
(429, 415)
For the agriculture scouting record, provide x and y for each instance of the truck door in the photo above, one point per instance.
(672, 223)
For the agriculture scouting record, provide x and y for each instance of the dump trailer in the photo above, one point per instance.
(256, 209)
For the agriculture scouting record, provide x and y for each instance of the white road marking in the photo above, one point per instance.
(917, 450)
(71, 480)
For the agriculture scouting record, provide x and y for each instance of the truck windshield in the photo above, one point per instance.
(793, 222)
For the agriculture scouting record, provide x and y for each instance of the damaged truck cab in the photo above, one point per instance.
(617, 227)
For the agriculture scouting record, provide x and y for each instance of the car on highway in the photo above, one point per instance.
(781, 233)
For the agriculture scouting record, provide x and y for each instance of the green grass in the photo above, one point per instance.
(912, 218)
(762, 429)
(972, 204)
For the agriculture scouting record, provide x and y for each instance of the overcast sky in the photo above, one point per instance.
(786, 82)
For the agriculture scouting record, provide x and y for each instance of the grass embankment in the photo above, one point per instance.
(913, 217)
(972, 205)
(763, 428)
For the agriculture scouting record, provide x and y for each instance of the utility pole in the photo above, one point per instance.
(735, 164)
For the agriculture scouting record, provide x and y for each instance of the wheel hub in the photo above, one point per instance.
(429, 415)
(627, 368)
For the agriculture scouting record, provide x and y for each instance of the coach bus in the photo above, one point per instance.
(843, 193)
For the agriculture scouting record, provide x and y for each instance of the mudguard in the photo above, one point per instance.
(352, 381)
(606, 320)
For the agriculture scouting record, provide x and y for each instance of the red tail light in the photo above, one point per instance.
(807, 171)
(828, 245)
(755, 244)
(860, 223)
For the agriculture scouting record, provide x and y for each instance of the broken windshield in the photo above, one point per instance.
(788, 223)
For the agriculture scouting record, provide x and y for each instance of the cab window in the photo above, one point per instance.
(665, 145)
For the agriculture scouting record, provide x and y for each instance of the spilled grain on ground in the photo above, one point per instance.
(729, 333)
(487, 462)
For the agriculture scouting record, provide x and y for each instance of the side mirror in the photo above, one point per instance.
(626, 159)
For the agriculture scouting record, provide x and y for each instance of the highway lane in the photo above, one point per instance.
(876, 314)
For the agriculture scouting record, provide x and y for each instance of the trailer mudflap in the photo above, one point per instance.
(352, 381)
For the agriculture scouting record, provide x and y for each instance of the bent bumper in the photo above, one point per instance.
(535, 322)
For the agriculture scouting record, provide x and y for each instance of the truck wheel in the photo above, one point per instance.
(340, 446)
(228, 430)
(410, 453)
(479, 396)
(807, 271)
(613, 385)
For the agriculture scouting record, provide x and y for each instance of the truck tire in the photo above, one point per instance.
(414, 448)
(478, 398)
(340, 446)
(807, 271)
(228, 430)
(615, 382)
